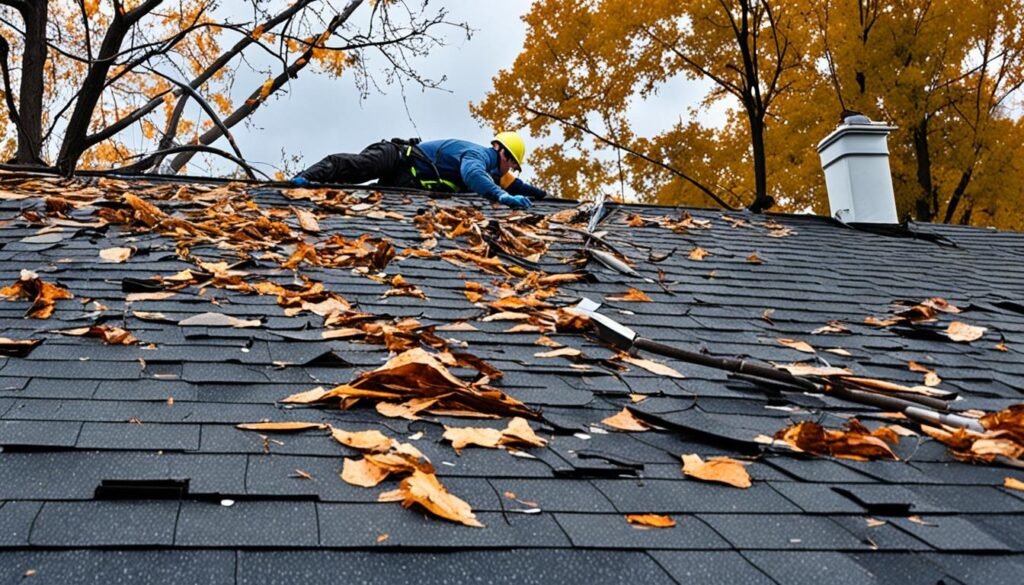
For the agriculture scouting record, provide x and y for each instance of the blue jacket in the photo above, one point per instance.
(465, 166)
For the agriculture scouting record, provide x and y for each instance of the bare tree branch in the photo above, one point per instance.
(257, 97)
(584, 128)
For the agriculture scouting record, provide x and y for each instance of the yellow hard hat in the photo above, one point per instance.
(514, 144)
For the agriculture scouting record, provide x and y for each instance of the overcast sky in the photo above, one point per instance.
(320, 115)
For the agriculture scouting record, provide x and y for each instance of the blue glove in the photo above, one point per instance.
(515, 201)
(299, 182)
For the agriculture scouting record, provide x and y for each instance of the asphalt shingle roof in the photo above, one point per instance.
(117, 461)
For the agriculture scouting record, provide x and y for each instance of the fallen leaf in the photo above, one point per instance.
(424, 489)
(211, 319)
(560, 352)
(698, 254)
(116, 254)
(854, 442)
(754, 259)
(546, 341)
(831, 327)
(632, 295)
(307, 220)
(940, 305)
(110, 335)
(650, 520)
(874, 522)
(636, 398)
(960, 331)
(383, 536)
(839, 351)
(307, 397)
(516, 433)
(149, 296)
(1013, 484)
(372, 441)
(1002, 347)
(722, 470)
(408, 410)
(625, 421)
(796, 344)
(651, 366)
(919, 520)
(42, 294)
(363, 472)
(281, 426)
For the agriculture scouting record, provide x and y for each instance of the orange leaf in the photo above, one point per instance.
(796, 344)
(651, 366)
(363, 472)
(424, 489)
(1013, 484)
(560, 352)
(650, 520)
(754, 259)
(625, 421)
(632, 295)
(722, 470)
(855, 442)
(960, 331)
(372, 441)
(698, 254)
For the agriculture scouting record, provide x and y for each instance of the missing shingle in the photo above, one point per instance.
(878, 506)
(141, 489)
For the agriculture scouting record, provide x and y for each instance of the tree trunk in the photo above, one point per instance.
(30, 94)
(958, 193)
(76, 133)
(761, 199)
(924, 207)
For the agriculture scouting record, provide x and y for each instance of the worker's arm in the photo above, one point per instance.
(473, 168)
(521, 187)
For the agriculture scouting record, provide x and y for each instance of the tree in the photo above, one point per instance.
(586, 64)
(89, 72)
(946, 73)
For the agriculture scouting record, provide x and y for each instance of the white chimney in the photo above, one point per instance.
(857, 176)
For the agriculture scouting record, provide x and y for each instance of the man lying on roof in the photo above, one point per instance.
(453, 166)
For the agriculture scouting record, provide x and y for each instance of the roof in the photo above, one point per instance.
(124, 463)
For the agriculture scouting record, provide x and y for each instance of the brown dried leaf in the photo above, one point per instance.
(796, 344)
(1013, 484)
(560, 352)
(831, 327)
(632, 295)
(960, 331)
(109, 335)
(307, 220)
(424, 489)
(150, 296)
(519, 433)
(754, 259)
(43, 294)
(698, 254)
(116, 254)
(940, 305)
(211, 319)
(650, 521)
(372, 441)
(722, 470)
(408, 410)
(855, 442)
(624, 420)
(651, 366)
(363, 472)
